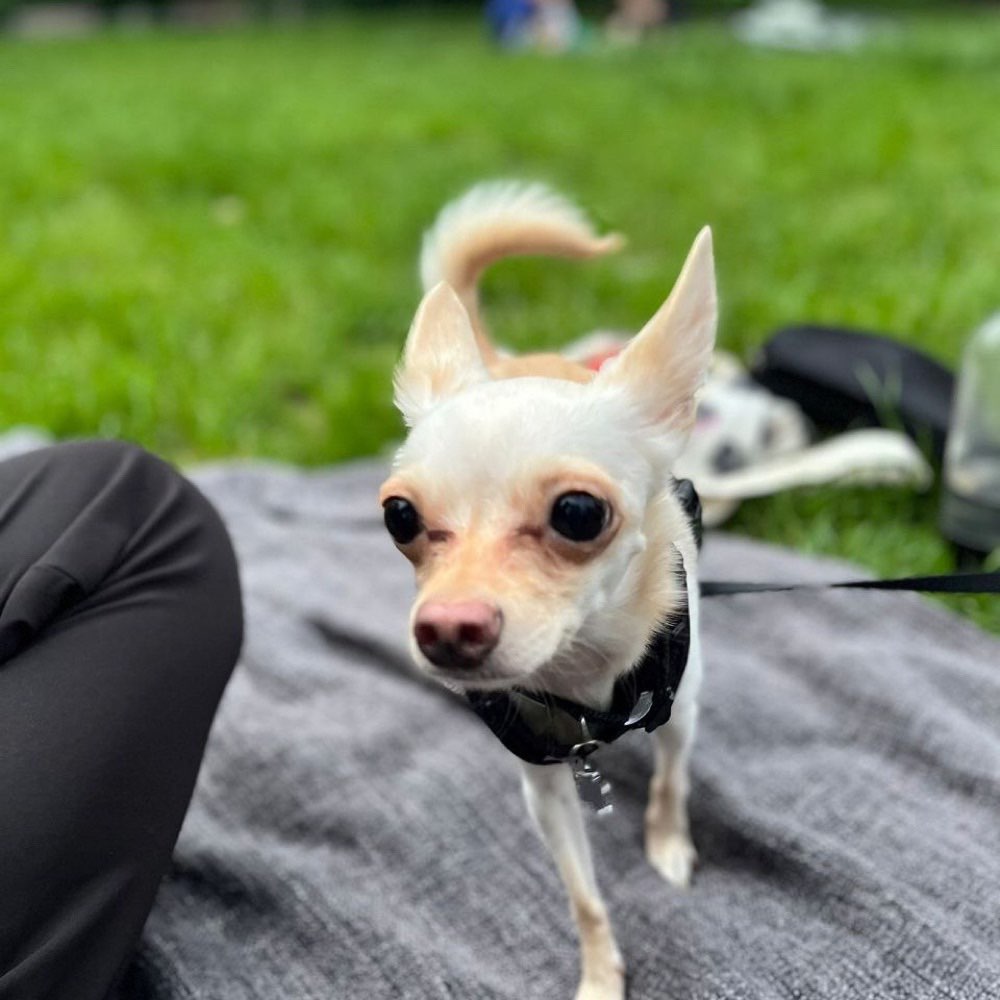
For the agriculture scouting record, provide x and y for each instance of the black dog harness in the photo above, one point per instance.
(546, 729)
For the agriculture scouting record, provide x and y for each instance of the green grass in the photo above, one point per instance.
(209, 240)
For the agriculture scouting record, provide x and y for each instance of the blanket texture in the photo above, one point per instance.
(357, 833)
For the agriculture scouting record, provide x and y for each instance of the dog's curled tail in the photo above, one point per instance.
(498, 219)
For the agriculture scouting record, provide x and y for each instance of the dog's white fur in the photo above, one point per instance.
(493, 442)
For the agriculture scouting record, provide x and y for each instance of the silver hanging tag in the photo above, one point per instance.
(591, 785)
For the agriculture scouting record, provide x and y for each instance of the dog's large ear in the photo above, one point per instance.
(440, 357)
(663, 366)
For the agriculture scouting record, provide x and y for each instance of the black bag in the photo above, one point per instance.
(846, 378)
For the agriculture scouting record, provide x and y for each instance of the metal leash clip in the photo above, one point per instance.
(591, 785)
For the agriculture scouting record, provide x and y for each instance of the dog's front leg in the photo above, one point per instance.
(668, 836)
(553, 803)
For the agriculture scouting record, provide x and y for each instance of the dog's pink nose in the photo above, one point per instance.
(457, 634)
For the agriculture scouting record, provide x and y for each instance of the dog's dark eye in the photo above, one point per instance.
(401, 519)
(579, 516)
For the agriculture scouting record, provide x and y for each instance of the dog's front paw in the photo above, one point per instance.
(673, 856)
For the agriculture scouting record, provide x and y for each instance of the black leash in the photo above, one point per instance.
(947, 583)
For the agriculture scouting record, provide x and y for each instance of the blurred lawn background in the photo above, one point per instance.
(209, 240)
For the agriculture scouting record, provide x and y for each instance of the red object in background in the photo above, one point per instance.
(596, 361)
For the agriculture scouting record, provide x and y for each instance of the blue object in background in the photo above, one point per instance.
(510, 21)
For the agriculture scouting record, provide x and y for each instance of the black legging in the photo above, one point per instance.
(120, 623)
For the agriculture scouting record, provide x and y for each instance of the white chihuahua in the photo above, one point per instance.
(535, 500)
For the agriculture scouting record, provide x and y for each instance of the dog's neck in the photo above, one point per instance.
(590, 680)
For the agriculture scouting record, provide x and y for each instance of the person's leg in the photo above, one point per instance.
(120, 623)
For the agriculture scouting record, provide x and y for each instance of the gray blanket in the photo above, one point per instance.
(357, 833)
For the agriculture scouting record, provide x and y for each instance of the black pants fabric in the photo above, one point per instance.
(120, 623)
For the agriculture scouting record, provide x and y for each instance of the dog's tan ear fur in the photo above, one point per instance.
(441, 356)
(666, 362)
